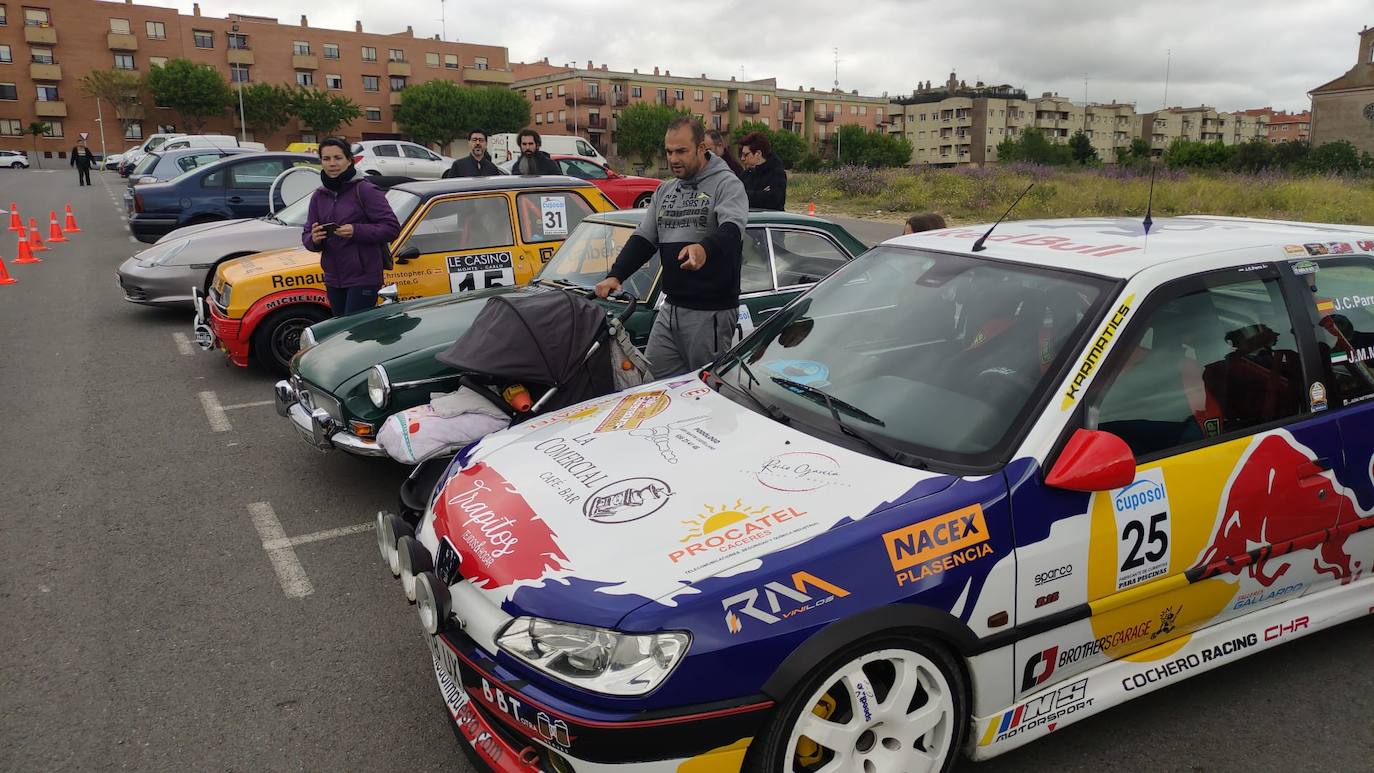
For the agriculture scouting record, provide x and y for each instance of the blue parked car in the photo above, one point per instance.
(233, 187)
(167, 165)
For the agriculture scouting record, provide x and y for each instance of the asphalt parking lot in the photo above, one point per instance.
(184, 585)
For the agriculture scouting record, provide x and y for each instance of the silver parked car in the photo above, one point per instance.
(14, 159)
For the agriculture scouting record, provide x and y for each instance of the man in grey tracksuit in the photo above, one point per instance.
(696, 224)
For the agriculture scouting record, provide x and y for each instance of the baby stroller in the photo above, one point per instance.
(558, 344)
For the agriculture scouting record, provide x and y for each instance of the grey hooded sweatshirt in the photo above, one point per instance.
(709, 209)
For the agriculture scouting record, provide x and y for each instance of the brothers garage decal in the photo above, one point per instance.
(937, 545)
(500, 539)
(480, 271)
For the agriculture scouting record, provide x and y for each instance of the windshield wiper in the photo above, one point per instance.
(834, 404)
(771, 411)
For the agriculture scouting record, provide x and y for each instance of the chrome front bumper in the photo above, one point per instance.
(317, 427)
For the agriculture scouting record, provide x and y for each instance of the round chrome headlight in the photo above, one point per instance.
(386, 543)
(378, 386)
(433, 602)
(307, 341)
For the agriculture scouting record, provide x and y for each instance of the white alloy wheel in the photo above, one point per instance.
(886, 711)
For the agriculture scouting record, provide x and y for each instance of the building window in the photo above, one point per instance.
(124, 61)
(334, 81)
(398, 83)
(480, 62)
(593, 89)
(238, 41)
(40, 55)
(679, 94)
(767, 99)
(119, 26)
(562, 90)
(538, 118)
(395, 55)
(36, 17)
(4, 19)
(156, 30)
(238, 73)
(766, 122)
(374, 114)
(9, 92)
(548, 117)
(54, 129)
(305, 78)
(300, 48)
(369, 54)
(548, 93)
(203, 38)
(697, 95)
(133, 130)
(636, 91)
(48, 94)
(5, 56)
(450, 61)
(372, 83)
(431, 59)
(10, 127)
(157, 61)
(331, 50)
(538, 95)
(562, 115)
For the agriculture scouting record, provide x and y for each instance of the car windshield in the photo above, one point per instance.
(295, 213)
(146, 164)
(154, 144)
(926, 354)
(588, 254)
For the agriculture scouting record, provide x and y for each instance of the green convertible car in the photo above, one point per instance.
(352, 372)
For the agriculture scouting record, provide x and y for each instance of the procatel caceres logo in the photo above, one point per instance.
(938, 544)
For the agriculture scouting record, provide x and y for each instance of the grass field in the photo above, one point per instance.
(979, 195)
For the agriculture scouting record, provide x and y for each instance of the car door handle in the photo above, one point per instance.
(1313, 467)
(235, 199)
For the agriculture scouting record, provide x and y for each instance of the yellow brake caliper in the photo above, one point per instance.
(808, 751)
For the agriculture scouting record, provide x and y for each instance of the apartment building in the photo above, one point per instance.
(1290, 127)
(587, 101)
(1343, 109)
(1203, 124)
(46, 47)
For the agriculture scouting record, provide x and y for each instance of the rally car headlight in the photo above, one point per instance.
(307, 341)
(596, 659)
(378, 386)
(162, 254)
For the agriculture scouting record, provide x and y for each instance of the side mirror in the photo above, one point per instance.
(411, 252)
(388, 294)
(1093, 460)
(611, 174)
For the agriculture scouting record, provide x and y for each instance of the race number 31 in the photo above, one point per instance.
(554, 211)
(1141, 511)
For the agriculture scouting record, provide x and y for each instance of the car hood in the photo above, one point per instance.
(404, 338)
(591, 512)
(269, 263)
(226, 234)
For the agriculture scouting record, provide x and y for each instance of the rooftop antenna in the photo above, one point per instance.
(1150, 201)
(443, 21)
(837, 69)
(978, 245)
(1168, 61)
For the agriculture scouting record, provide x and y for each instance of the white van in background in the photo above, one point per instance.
(504, 147)
(208, 141)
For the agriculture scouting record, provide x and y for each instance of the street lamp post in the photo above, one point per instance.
(574, 98)
(243, 124)
(100, 121)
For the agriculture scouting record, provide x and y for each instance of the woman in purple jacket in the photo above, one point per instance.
(351, 226)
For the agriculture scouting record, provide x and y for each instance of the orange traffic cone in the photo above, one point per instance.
(5, 278)
(811, 209)
(34, 240)
(25, 253)
(70, 225)
(15, 223)
(54, 230)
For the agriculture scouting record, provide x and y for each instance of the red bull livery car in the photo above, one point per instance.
(962, 493)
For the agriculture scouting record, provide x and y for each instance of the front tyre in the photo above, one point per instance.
(893, 705)
(643, 200)
(278, 337)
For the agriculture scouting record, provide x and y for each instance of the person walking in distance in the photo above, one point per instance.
(696, 224)
(764, 178)
(477, 163)
(715, 142)
(83, 160)
(532, 160)
(350, 224)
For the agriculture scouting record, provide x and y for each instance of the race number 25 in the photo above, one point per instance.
(1141, 514)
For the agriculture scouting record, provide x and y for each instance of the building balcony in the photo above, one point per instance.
(752, 108)
(396, 97)
(825, 117)
(400, 69)
(589, 99)
(305, 62)
(45, 72)
(50, 109)
(240, 56)
(596, 122)
(488, 75)
(619, 99)
(720, 106)
(789, 114)
(46, 36)
(120, 42)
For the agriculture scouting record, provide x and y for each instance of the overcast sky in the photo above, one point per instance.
(1231, 54)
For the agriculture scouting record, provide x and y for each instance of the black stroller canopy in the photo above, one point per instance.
(537, 336)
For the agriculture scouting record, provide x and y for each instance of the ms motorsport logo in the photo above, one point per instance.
(1045, 710)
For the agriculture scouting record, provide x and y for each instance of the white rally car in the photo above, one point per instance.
(963, 492)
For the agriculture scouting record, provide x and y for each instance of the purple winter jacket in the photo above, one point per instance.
(355, 262)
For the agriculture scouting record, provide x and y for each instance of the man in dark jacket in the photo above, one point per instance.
(532, 160)
(83, 160)
(478, 164)
(764, 179)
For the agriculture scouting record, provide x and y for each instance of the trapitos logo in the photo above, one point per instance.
(725, 528)
(499, 538)
(938, 544)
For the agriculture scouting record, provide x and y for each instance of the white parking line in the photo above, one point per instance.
(214, 412)
(319, 536)
(132, 240)
(184, 345)
(294, 582)
(256, 404)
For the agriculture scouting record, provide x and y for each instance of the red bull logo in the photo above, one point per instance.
(497, 534)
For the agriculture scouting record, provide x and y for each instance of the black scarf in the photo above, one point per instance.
(336, 184)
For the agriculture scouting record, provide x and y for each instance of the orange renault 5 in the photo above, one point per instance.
(456, 235)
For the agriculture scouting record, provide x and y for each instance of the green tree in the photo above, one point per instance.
(436, 112)
(37, 129)
(323, 113)
(121, 89)
(855, 145)
(1136, 155)
(498, 110)
(1256, 155)
(1292, 156)
(1339, 157)
(1034, 147)
(197, 92)
(642, 126)
(266, 107)
(1081, 147)
(1189, 154)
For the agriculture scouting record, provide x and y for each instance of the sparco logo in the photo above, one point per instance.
(1139, 494)
(1054, 574)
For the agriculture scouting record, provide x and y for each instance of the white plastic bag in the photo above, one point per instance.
(416, 433)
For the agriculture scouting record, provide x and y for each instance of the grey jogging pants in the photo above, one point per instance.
(683, 340)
